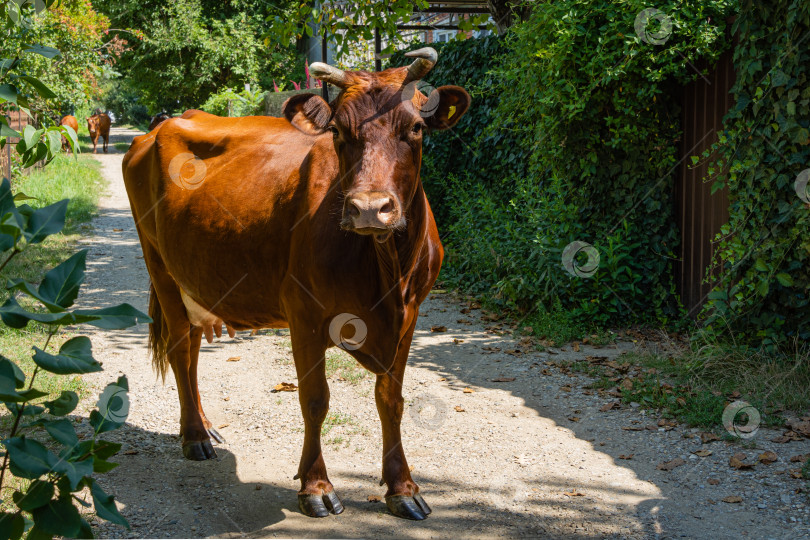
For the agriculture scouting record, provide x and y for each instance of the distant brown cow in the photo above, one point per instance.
(69, 121)
(99, 125)
(158, 119)
(316, 222)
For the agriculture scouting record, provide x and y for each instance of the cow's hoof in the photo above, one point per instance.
(408, 507)
(313, 505)
(216, 436)
(199, 450)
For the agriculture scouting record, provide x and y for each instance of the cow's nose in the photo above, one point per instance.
(372, 210)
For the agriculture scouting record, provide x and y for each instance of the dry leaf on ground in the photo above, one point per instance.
(459, 408)
(737, 461)
(609, 406)
(503, 379)
(438, 328)
(707, 437)
(768, 457)
(234, 359)
(468, 390)
(373, 498)
(703, 453)
(713, 481)
(732, 499)
(285, 387)
(573, 493)
(669, 465)
(628, 456)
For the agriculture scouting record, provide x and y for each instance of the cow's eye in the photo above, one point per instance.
(416, 129)
(335, 131)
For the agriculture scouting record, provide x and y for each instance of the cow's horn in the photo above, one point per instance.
(328, 74)
(425, 60)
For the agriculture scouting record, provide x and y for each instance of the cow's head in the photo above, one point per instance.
(377, 124)
(92, 124)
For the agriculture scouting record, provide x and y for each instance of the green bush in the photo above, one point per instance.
(572, 136)
(764, 250)
(228, 102)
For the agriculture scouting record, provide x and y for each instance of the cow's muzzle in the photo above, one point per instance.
(372, 212)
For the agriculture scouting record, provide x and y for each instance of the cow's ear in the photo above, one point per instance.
(453, 103)
(307, 112)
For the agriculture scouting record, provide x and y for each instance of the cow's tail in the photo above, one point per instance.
(158, 335)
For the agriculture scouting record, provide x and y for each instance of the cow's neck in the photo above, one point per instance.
(400, 255)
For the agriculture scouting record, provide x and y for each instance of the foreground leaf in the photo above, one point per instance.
(60, 286)
(65, 404)
(105, 506)
(39, 493)
(59, 517)
(75, 357)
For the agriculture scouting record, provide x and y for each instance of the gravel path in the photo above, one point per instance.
(532, 457)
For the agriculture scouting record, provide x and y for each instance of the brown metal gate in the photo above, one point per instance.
(699, 213)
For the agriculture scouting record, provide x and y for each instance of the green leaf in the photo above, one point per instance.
(39, 493)
(85, 530)
(6, 131)
(113, 318)
(8, 93)
(31, 136)
(784, 279)
(101, 466)
(41, 88)
(54, 141)
(105, 506)
(63, 405)
(6, 198)
(11, 525)
(46, 221)
(28, 458)
(106, 449)
(59, 517)
(60, 286)
(75, 356)
(75, 471)
(72, 138)
(47, 52)
(17, 409)
(15, 316)
(12, 371)
(61, 430)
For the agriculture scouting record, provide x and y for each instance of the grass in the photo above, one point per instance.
(65, 177)
(340, 364)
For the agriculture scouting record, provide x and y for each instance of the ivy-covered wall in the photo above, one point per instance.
(555, 193)
(764, 254)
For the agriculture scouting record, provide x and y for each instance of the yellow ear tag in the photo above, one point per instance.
(451, 112)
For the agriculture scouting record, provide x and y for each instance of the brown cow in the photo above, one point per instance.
(99, 126)
(158, 119)
(70, 121)
(317, 222)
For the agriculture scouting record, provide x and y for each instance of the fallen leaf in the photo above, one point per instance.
(457, 341)
(781, 439)
(258, 487)
(465, 310)
(222, 426)
(801, 458)
(226, 399)
(574, 493)
(801, 427)
(468, 390)
(628, 456)
(234, 359)
(574, 418)
(669, 465)
(703, 453)
(411, 468)
(609, 406)
(737, 461)
(633, 428)
(373, 498)
(768, 457)
(464, 321)
(442, 378)
(285, 387)
(732, 499)
(713, 481)
(795, 473)
(438, 328)
(503, 379)
(459, 408)
(130, 452)
(576, 346)
(707, 437)
(117, 230)
(627, 384)
(566, 388)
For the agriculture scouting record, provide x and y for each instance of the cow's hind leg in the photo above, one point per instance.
(196, 340)
(317, 497)
(402, 498)
(173, 338)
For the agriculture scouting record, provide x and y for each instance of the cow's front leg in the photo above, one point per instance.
(402, 498)
(317, 497)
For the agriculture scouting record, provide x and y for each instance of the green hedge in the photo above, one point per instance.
(573, 136)
(764, 250)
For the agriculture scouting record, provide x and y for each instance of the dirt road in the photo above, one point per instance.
(525, 452)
